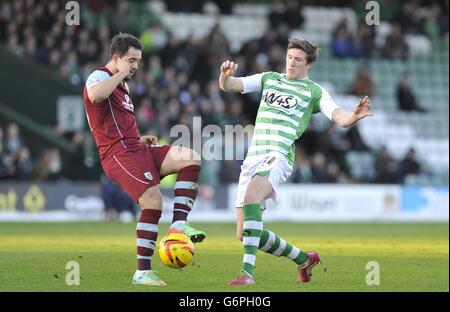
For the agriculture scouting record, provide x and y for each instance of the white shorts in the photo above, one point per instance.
(273, 164)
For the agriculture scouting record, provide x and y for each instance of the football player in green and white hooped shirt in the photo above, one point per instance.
(287, 103)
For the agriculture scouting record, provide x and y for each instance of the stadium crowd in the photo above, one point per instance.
(177, 80)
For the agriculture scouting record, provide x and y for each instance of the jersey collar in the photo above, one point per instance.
(106, 70)
(285, 77)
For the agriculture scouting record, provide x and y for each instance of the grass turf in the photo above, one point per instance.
(412, 257)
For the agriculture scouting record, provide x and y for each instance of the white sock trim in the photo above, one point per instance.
(270, 241)
(147, 227)
(146, 243)
(251, 259)
(294, 253)
(251, 241)
(253, 225)
(280, 248)
(177, 223)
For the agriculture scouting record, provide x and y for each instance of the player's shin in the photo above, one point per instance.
(147, 234)
(252, 228)
(186, 189)
(275, 245)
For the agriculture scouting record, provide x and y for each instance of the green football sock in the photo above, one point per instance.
(252, 229)
(273, 244)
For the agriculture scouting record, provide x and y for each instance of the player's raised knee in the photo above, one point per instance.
(185, 155)
(151, 199)
(194, 159)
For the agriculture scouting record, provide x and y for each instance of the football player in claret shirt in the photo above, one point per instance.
(135, 162)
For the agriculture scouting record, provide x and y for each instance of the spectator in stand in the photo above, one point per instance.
(363, 84)
(119, 19)
(318, 168)
(276, 13)
(336, 145)
(311, 142)
(225, 6)
(290, 14)
(54, 165)
(363, 43)
(235, 115)
(155, 37)
(409, 18)
(13, 142)
(405, 97)
(15, 160)
(333, 173)
(293, 16)
(342, 42)
(395, 46)
(117, 203)
(302, 172)
(49, 166)
(409, 165)
(24, 164)
(145, 114)
(385, 166)
(435, 24)
(442, 20)
(356, 141)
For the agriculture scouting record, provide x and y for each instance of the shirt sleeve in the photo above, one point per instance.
(251, 83)
(96, 77)
(327, 104)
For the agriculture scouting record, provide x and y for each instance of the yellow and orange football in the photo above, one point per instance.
(176, 250)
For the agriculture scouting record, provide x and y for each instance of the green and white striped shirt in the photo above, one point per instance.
(284, 112)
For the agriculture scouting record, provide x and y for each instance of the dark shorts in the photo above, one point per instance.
(135, 171)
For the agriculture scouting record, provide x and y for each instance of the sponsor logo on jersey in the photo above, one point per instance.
(283, 101)
(127, 103)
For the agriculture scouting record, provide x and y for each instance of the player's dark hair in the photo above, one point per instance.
(311, 50)
(122, 42)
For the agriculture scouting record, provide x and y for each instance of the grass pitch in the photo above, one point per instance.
(412, 257)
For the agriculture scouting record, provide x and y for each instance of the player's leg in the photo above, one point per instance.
(186, 163)
(239, 222)
(136, 174)
(258, 190)
(244, 179)
(147, 234)
(273, 244)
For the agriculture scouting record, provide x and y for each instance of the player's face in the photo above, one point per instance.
(296, 67)
(134, 57)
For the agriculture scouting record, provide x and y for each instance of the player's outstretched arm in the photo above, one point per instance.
(348, 119)
(228, 83)
(102, 90)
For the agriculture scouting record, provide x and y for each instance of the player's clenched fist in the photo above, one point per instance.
(148, 139)
(228, 68)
